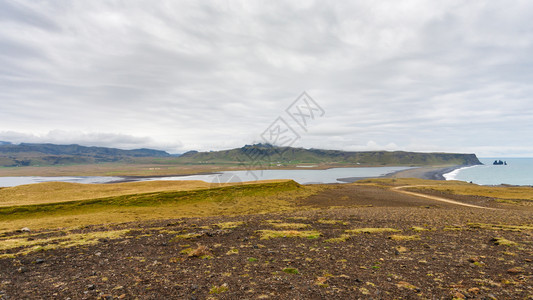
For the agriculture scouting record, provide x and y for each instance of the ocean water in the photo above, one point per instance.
(518, 171)
(300, 176)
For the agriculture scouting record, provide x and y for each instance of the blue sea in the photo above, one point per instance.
(518, 171)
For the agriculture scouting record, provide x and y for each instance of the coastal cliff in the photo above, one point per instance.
(289, 155)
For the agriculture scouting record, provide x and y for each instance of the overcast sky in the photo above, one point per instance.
(453, 76)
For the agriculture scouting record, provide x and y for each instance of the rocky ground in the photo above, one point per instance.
(348, 242)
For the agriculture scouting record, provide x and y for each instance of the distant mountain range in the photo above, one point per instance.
(50, 154)
(24, 154)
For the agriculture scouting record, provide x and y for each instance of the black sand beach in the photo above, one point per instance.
(432, 173)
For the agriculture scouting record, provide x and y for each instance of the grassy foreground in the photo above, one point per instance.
(274, 240)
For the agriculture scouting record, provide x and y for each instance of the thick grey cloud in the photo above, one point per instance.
(206, 75)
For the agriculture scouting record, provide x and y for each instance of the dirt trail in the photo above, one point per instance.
(399, 189)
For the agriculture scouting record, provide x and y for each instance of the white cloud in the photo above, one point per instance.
(411, 75)
(118, 140)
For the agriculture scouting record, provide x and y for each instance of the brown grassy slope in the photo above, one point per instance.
(259, 197)
(52, 192)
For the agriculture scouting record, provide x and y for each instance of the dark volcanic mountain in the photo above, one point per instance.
(264, 153)
(51, 154)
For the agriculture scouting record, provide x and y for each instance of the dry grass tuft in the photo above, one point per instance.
(501, 227)
(398, 237)
(341, 239)
(297, 218)
(419, 229)
(401, 249)
(406, 285)
(290, 225)
(228, 225)
(270, 234)
(453, 228)
(321, 281)
(200, 251)
(503, 242)
(35, 244)
(232, 251)
(186, 236)
(331, 222)
(218, 289)
(372, 230)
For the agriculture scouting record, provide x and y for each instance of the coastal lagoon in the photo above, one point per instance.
(20, 180)
(301, 176)
(518, 171)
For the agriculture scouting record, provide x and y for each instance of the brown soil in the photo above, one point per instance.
(475, 200)
(158, 260)
(359, 195)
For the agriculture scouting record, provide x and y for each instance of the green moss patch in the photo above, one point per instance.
(291, 271)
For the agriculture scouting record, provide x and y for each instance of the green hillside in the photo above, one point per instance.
(261, 153)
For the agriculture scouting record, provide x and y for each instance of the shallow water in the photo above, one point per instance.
(300, 176)
(14, 181)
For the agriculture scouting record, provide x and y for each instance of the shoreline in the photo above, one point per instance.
(140, 171)
(425, 172)
(428, 173)
(140, 178)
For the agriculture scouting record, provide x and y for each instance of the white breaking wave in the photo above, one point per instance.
(453, 174)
